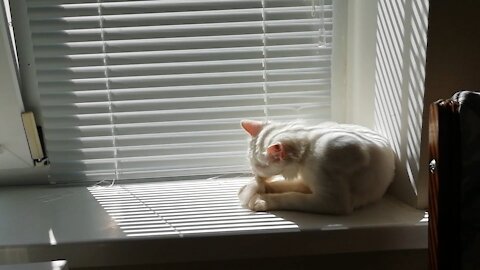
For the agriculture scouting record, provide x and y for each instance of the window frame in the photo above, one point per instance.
(14, 149)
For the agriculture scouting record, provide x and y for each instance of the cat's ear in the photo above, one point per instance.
(252, 127)
(285, 150)
(277, 151)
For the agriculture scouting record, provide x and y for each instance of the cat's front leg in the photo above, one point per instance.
(282, 201)
(262, 183)
(247, 192)
(297, 201)
(281, 186)
(257, 203)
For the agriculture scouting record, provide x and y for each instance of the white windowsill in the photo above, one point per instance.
(48, 223)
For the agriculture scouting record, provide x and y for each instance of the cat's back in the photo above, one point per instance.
(346, 133)
(348, 147)
(336, 140)
(355, 155)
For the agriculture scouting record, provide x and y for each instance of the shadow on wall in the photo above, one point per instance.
(399, 86)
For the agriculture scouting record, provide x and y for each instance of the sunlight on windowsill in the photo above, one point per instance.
(194, 207)
(185, 207)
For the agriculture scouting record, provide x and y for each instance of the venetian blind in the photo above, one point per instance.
(148, 89)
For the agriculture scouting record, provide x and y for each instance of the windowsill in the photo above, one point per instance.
(48, 223)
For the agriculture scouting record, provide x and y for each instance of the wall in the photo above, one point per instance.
(386, 47)
(362, 27)
(391, 260)
(453, 61)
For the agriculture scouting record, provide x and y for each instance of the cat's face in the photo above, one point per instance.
(266, 159)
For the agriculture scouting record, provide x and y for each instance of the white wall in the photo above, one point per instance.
(14, 152)
(386, 51)
(399, 86)
(362, 26)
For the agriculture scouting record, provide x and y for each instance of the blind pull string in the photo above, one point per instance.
(264, 63)
(107, 85)
(322, 42)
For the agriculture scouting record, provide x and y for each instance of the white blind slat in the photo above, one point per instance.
(178, 43)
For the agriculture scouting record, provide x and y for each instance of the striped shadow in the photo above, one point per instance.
(184, 208)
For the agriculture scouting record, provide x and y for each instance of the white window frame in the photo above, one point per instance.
(14, 151)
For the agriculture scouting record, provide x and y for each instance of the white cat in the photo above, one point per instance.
(330, 168)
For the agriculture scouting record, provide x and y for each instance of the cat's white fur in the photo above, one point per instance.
(329, 168)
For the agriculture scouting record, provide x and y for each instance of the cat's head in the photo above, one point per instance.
(269, 150)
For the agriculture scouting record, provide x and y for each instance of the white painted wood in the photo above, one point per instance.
(14, 152)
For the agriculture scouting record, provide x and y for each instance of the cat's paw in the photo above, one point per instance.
(246, 192)
(257, 203)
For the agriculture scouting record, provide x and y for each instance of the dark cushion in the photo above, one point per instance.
(470, 177)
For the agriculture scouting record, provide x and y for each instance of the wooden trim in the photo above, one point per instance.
(444, 186)
(433, 189)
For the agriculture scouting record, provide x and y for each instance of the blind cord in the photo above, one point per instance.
(322, 42)
(264, 63)
(107, 85)
(321, 28)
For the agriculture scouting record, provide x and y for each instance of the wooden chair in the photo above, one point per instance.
(454, 184)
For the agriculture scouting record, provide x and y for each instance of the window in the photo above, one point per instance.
(148, 89)
(172, 89)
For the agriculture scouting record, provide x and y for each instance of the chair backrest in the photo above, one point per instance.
(454, 184)
(443, 192)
